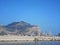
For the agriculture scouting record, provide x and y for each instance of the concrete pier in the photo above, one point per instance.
(16, 38)
(28, 38)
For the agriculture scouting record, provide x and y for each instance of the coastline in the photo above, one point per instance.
(14, 38)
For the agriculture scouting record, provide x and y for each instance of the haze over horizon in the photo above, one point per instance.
(44, 13)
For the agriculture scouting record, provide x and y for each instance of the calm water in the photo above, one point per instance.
(32, 43)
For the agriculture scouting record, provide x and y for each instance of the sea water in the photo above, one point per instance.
(31, 43)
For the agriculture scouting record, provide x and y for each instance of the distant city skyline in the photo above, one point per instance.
(44, 13)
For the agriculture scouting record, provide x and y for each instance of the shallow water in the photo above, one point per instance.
(32, 43)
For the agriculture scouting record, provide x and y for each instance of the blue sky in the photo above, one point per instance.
(44, 13)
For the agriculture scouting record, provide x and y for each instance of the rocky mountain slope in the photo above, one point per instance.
(19, 28)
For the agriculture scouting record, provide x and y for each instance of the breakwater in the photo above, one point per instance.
(27, 38)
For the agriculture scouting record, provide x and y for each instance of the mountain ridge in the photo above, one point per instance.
(21, 27)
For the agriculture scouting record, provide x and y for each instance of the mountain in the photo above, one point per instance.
(22, 28)
(18, 26)
(3, 30)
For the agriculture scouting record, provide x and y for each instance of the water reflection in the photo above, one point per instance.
(20, 43)
(32, 43)
(36, 42)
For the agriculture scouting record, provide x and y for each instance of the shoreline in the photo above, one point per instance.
(14, 38)
(27, 41)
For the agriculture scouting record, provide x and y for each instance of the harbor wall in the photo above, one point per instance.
(16, 38)
(27, 38)
(54, 38)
